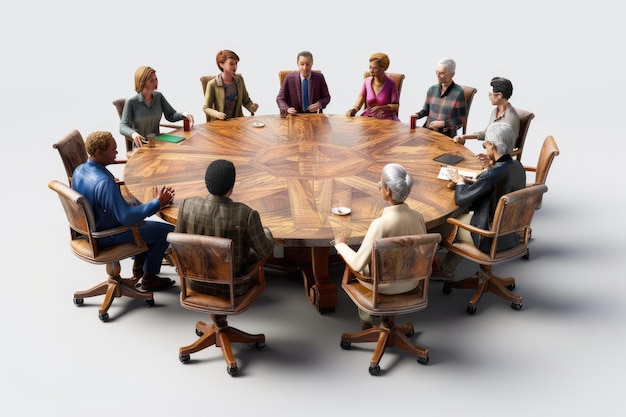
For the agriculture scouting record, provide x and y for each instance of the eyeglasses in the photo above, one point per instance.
(441, 74)
(492, 94)
(374, 69)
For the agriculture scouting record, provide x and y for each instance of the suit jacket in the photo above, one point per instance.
(290, 94)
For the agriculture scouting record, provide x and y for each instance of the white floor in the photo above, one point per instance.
(562, 354)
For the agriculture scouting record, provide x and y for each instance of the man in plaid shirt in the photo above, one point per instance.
(445, 101)
(218, 215)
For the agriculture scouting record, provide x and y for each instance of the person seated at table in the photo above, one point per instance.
(292, 98)
(218, 215)
(505, 176)
(226, 94)
(500, 91)
(444, 105)
(143, 112)
(378, 92)
(398, 219)
(94, 181)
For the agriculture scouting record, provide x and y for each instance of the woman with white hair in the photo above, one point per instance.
(505, 176)
(398, 219)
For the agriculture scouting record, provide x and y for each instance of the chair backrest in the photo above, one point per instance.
(204, 81)
(209, 259)
(549, 150)
(403, 259)
(282, 74)
(72, 151)
(514, 213)
(469, 97)
(119, 106)
(82, 223)
(525, 117)
(396, 77)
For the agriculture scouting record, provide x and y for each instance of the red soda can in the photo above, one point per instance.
(413, 121)
(186, 124)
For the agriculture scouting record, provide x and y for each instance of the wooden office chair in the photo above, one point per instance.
(204, 81)
(513, 214)
(209, 259)
(400, 259)
(525, 117)
(470, 92)
(83, 237)
(119, 106)
(398, 78)
(73, 153)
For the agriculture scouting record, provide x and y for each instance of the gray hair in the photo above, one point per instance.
(448, 63)
(398, 181)
(501, 136)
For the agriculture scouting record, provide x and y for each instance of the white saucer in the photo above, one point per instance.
(258, 124)
(340, 211)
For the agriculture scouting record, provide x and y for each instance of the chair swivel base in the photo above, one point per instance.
(386, 334)
(220, 334)
(483, 281)
(112, 288)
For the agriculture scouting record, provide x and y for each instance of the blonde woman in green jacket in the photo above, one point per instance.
(226, 94)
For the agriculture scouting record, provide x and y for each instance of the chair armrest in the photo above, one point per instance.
(472, 229)
(530, 169)
(116, 230)
(120, 161)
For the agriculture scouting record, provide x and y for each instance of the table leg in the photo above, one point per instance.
(321, 292)
(312, 264)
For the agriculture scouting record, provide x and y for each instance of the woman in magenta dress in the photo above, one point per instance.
(379, 93)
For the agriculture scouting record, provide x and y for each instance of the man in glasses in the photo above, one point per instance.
(500, 91)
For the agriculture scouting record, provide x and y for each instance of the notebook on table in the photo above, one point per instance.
(449, 158)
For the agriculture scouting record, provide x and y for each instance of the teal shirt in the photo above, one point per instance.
(138, 117)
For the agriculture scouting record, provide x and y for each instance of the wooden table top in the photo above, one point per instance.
(294, 170)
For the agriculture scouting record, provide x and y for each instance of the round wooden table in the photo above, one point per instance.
(293, 170)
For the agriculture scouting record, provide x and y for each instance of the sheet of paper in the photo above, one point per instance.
(443, 173)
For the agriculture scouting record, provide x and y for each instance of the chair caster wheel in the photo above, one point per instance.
(375, 370)
(103, 317)
(232, 371)
(199, 333)
(184, 358)
(259, 345)
(446, 289)
(516, 306)
(78, 301)
(510, 287)
(410, 333)
(345, 345)
(471, 309)
(150, 302)
(423, 361)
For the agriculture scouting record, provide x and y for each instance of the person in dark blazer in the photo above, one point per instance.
(481, 196)
(291, 99)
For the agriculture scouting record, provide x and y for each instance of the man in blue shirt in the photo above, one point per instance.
(94, 181)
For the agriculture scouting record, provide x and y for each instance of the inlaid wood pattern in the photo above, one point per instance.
(294, 170)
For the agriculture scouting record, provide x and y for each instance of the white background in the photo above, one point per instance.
(64, 62)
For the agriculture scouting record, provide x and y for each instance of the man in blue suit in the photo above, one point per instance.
(294, 98)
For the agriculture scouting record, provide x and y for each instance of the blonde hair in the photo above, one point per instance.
(141, 76)
(382, 59)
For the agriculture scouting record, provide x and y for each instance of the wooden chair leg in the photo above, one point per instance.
(114, 287)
